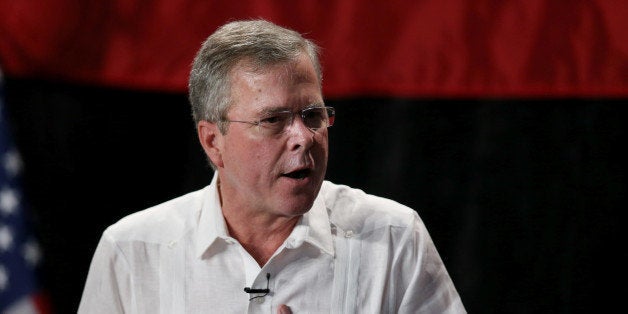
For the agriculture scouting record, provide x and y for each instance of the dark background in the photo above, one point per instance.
(523, 197)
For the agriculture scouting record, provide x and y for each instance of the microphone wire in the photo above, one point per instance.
(265, 291)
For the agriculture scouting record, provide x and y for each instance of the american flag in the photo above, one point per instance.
(19, 251)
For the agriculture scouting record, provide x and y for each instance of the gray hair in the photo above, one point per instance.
(258, 41)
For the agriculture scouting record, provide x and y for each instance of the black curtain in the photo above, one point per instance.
(523, 197)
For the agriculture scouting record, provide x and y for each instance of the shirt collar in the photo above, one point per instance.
(313, 227)
(211, 224)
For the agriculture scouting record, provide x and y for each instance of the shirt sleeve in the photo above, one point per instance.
(429, 289)
(109, 281)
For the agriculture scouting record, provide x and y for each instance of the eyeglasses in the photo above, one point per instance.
(274, 123)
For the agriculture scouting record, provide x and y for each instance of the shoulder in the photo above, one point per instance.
(161, 223)
(356, 210)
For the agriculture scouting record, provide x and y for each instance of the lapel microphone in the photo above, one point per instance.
(264, 291)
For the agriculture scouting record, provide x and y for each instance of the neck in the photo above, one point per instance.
(258, 231)
(259, 239)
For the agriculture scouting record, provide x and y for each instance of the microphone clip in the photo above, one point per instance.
(264, 291)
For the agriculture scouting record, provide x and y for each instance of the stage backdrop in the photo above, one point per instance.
(500, 122)
(376, 48)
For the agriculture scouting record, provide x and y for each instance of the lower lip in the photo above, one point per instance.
(298, 181)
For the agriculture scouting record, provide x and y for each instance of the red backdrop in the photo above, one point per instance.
(432, 48)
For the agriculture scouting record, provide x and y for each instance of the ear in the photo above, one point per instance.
(212, 141)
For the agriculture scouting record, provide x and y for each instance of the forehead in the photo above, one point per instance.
(281, 85)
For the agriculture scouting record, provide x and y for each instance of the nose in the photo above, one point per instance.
(299, 135)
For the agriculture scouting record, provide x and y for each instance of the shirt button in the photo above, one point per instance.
(348, 234)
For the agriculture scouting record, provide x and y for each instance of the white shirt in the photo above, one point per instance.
(351, 253)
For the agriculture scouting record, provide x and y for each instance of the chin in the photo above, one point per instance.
(296, 207)
(298, 196)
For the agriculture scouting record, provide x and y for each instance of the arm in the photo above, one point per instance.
(109, 282)
(429, 287)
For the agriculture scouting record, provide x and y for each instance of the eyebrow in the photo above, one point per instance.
(315, 105)
(271, 110)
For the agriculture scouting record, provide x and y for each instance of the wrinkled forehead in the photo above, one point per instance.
(280, 86)
(297, 70)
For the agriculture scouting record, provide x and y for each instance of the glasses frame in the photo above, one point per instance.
(331, 114)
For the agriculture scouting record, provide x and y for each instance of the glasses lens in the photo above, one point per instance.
(331, 116)
(316, 118)
(276, 122)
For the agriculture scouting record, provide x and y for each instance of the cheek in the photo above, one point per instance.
(322, 146)
(264, 157)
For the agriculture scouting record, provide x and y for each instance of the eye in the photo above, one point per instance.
(314, 114)
(272, 120)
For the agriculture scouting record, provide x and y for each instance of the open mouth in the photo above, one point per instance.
(298, 174)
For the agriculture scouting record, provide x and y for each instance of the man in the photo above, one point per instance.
(268, 234)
